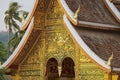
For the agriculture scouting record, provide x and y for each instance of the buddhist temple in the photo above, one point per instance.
(69, 40)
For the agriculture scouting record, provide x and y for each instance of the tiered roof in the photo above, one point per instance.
(96, 30)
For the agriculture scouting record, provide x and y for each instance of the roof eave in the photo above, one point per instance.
(114, 11)
(70, 15)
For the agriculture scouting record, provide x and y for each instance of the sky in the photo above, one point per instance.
(27, 5)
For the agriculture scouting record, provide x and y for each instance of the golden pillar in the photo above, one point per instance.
(77, 62)
(59, 70)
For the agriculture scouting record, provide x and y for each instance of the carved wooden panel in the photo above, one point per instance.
(30, 69)
(39, 20)
(88, 70)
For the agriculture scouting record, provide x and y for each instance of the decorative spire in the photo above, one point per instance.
(110, 60)
(76, 13)
(59, 70)
(111, 0)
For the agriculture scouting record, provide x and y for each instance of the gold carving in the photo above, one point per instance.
(88, 70)
(83, 58)
(39, 20)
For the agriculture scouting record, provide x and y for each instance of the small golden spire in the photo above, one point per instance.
(110, 60)
(76, 12)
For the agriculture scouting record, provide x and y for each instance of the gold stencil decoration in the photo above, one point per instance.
(88, 70)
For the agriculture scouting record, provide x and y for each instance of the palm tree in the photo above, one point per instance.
(3, 52)
(2, 72)
(12, 15)
(16, 39)
(3, 75)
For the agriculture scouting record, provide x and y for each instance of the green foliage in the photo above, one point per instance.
(3, 52)
(13, 14)
(3, 37)
(16, 39)
(3, 75)
(24, 14)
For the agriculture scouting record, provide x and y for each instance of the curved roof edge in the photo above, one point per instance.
(15, 54)
(96, 59)
(30, 15)
(114, 11)
(69, 13)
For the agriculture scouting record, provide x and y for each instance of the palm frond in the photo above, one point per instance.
(3, 72)
(25, 14)
(14, 6)
(16, 16)
(16, 26)
(7, 19)
(16, 39)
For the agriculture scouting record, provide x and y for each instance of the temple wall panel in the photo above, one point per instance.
(30, 69)
(88, 70)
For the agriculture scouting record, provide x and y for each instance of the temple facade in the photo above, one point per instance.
(69, 40)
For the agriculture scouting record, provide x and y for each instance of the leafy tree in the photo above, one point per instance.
(3, 52)
(12, 15)
(3, 75)
(16, 39)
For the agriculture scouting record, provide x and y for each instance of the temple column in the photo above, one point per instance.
(42, 76)
(110, 76)
(59, 70)
(115, 77)
(77, 64)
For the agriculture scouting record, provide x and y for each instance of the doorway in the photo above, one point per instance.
(52, 70)
(68, 72)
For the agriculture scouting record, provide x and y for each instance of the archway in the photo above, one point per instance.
(68, 72)
(52, 70)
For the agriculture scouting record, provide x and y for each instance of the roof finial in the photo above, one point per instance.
(110, 60)
(111, 0)
(76, 12)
